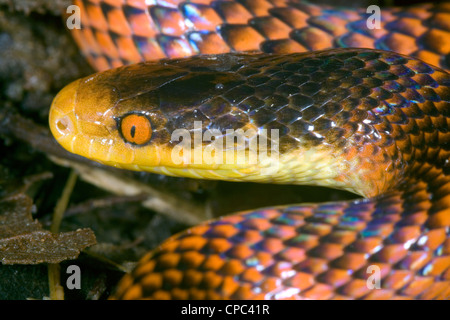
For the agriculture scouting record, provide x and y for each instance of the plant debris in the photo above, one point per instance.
(24, 241)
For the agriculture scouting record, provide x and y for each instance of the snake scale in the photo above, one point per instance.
(367, 120)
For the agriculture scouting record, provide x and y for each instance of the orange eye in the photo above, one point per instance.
(136, 129)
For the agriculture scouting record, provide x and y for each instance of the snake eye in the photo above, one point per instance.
(136, 129)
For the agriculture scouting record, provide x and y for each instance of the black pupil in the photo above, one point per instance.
(133, 131)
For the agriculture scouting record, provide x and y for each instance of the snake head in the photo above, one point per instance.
(80, 120)
(140, 117)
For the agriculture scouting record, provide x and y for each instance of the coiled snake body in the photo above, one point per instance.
(370, 121)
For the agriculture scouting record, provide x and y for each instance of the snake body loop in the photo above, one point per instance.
(370, 121)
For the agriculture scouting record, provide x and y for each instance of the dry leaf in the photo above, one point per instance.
(23, 241)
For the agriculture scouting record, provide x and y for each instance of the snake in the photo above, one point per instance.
(276, 91)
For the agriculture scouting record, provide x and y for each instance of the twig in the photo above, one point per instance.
(54, 274)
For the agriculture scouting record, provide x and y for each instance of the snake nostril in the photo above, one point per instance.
(64, 125)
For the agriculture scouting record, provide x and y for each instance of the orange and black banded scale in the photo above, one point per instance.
(117, 32)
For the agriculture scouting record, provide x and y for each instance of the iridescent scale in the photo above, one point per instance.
(117, 32)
